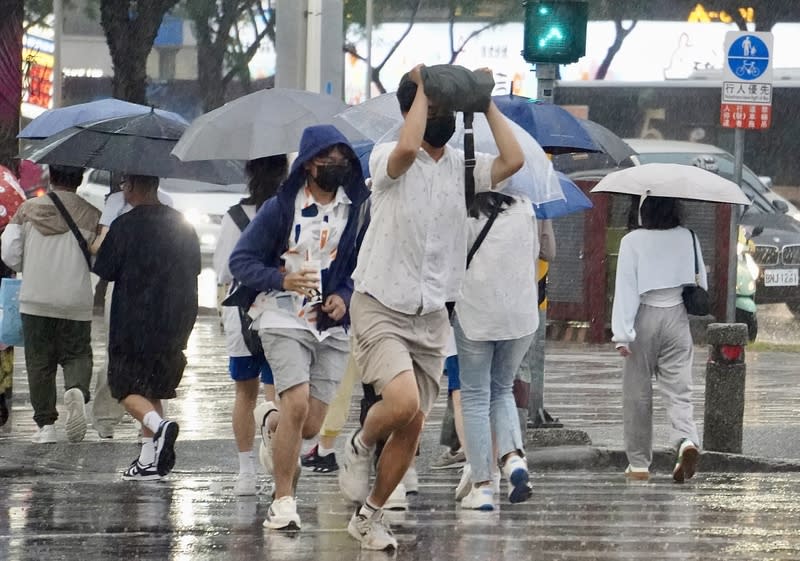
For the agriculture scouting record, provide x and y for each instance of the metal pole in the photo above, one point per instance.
(313, 46)
(368, 27)
(733, 259)
(58, 31)
(545, 81)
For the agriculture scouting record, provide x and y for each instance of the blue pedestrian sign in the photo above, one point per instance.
(748, 57)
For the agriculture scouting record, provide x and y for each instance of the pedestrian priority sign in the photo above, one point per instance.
(747, 80)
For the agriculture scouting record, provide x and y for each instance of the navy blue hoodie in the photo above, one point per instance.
(256, 260)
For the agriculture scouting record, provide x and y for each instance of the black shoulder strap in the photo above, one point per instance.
(469, 164)
(239, 217)
(482, 235)
(696, 260)
(72, 226)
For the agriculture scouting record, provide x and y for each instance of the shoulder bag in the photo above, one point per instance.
(695, 297)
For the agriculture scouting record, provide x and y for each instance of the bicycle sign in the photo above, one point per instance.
(748, 56)
(747, 80)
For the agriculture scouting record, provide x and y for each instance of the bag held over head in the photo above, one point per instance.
(456, 88)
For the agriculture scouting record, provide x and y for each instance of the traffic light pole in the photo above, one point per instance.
(546, 81)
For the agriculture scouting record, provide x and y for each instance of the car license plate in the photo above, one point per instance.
(781, 277)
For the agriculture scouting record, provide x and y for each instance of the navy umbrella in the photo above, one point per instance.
(137, 145)
(554, 128)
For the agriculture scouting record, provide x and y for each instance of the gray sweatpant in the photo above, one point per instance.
(663, 349)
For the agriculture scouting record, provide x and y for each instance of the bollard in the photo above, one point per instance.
(725, 377)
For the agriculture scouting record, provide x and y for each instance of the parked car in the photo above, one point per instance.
(777, 246)
(202, 204)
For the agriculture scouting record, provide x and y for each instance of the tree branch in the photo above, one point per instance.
(411, 20)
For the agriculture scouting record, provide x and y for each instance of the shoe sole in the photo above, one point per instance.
(290, 526)
(687, 466)
(166, 457)
(264, 457)
(76, 416)
(345, 474)
(521, 487)
(637, 477)
(359, 538)
(141, 478)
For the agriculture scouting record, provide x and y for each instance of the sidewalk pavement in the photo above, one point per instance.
(582, 388)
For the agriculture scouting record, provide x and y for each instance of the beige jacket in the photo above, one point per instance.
(38, 243)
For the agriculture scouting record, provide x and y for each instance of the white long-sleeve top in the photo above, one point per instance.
(652, 268)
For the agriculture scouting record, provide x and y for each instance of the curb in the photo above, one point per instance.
(593, 458)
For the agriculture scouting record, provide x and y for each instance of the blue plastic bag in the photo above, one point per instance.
(10, 322)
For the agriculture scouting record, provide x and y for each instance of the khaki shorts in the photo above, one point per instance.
(297, 357)
(387, 343)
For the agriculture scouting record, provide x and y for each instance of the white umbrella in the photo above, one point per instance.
(678, 181)
(260, 124)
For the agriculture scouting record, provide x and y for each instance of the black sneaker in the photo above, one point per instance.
(139, 472)
(164, 441)
(319, 464)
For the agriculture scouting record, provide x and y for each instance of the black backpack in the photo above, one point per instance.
(251, 339)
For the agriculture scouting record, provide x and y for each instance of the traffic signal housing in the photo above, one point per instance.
(555, 30)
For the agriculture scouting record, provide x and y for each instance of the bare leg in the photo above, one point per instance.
(395, 459)
(269, 393)
(299, 415)
(138, 406)
(398, 418)
(244, 429)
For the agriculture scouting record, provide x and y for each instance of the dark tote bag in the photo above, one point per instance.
(695, 297)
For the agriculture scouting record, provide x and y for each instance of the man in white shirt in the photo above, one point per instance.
(411, 262)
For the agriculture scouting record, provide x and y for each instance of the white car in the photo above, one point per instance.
(202, 204)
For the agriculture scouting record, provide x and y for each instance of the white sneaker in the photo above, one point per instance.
(246, 484)
(397, 500)
(76, 415)
(282, 515)
(479, 498)
(260, 413)
(496, 482)
(354, 471)
(411, 480)
(45, 435)
(371, 531)
(515, 471)
(464, 486)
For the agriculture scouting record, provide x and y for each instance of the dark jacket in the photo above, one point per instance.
(256, 260)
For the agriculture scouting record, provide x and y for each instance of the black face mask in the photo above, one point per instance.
(439, 129)
(330, 177)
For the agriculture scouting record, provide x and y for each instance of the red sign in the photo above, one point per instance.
(745, 116)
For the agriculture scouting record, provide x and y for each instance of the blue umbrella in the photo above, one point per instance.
(56, 120)
(554, 128)
(574, 201)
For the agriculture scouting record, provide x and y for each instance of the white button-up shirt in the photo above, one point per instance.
(414, 253)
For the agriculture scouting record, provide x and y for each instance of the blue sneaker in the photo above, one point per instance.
(515, 471)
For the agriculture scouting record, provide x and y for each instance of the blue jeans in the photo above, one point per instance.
(487, 371)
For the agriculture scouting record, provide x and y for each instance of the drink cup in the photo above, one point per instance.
(314, 266)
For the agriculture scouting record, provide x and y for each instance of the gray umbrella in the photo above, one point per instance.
(139, 144)
(260, 124)
(609, 143)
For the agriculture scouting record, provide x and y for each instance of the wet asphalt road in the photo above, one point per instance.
(67, 501)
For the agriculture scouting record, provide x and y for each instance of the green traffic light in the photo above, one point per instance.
(544, 10)
(553, 34)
